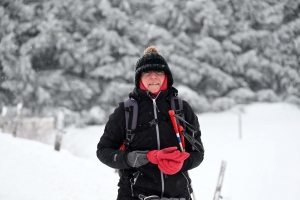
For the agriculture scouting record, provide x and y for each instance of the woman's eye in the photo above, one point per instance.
(146, 73)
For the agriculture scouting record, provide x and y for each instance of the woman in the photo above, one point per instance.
(151, 167)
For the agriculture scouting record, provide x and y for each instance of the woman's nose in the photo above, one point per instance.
(153, 74)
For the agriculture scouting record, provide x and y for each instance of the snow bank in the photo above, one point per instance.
(264, 164)
(30, 170)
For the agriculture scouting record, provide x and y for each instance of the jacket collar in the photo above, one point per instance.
(139, 94)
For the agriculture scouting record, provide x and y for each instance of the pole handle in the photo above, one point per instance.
(175, 126)
(173, 119)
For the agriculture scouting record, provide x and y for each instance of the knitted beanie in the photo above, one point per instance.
(152, 61)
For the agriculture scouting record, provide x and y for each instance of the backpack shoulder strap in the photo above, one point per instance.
(131, 114)
(177, 106)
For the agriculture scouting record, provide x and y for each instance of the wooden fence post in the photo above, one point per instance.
(240, 125)
(17, 119)
(220, 181)
(2, 117)
(60, 125)
(239, 111)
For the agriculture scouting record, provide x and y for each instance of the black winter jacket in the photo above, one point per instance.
(148, 179)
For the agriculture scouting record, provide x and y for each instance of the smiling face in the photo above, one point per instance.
(153, 80)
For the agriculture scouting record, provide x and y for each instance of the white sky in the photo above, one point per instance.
(263, 165)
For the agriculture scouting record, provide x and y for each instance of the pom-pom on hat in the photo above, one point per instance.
(152, 61)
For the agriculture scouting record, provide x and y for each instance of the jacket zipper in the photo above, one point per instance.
(155, 106)
(158, 144)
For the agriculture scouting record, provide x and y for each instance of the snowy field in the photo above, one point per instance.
(263, 165)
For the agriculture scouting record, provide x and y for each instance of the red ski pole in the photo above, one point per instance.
(175, 126)
(181, 129)
(178, 129)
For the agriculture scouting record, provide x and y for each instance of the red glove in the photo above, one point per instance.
(172, 166)
(154, 155)
(169, 156)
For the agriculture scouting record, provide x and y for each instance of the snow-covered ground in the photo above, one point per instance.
(263, 165)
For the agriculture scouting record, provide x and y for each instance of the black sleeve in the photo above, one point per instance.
(113, 137)
(196, 157)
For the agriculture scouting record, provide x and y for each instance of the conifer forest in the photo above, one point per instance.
(80, 55)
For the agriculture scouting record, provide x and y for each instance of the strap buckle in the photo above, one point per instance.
(128, 136)
(178, 112)
(153, 122)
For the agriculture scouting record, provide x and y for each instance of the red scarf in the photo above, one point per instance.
(163, 87)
